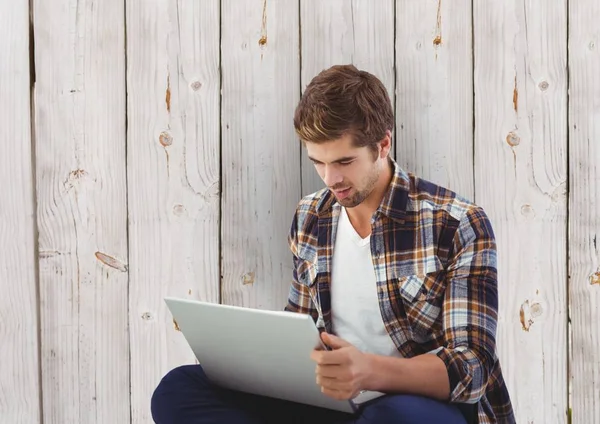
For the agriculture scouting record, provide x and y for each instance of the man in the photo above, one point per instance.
(398, 273)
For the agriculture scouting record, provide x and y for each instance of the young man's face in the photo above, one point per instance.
(351, 173)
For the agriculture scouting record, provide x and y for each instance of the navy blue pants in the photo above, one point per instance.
(185, 395)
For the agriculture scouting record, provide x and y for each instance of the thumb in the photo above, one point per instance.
(334, 342)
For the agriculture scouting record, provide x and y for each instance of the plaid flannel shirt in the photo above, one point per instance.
(434, 255)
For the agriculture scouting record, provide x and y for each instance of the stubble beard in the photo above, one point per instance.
(360, 196)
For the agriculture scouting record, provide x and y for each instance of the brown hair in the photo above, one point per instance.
(344, 100)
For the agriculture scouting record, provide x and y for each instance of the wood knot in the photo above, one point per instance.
(527, 211)
(543, 85)
(165, 139)
(525, 316)
(196, 85)
(248, 278)
(437, 40)
(513, 139)
(595, 278)
(111, 262)
(76, 178)
(78, 173)
(262, 41)
(146, 316)
(536, 310)
(179, 210)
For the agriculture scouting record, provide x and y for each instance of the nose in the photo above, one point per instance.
(332, 176)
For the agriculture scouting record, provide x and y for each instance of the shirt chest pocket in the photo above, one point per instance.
(421, 294)
(427, 283)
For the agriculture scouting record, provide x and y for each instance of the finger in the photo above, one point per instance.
(334, 341)
(324, 356)
(332, 357)
(331, 371)
(333, 384)
(336, 394)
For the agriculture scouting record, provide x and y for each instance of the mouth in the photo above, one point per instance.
(342, 194)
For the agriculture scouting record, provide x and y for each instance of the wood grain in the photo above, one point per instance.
(261, 157)
(434, 94)
(81, 208)
(112, 177)
(584, 203)
(173, 179)
(521, 180)
(339, 32)
(19, 378)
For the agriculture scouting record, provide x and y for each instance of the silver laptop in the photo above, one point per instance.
(257, 351)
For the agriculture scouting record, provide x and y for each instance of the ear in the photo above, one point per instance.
(385, 145)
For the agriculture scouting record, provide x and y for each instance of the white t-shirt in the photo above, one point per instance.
(356, 316)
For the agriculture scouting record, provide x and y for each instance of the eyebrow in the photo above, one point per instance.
(344, 159)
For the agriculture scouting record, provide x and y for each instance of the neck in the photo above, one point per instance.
(362, 213)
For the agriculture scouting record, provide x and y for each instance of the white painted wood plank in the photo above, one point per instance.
(173, 176)
(338, 32)
(82, 215)
(521, 173)
(19, 378)
(261, 156)
(434, 95)
(584, 206)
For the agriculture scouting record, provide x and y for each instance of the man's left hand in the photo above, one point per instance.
(342, 372)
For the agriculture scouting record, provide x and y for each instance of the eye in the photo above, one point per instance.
(345, 163)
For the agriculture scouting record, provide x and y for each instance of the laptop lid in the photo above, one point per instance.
(256, 351)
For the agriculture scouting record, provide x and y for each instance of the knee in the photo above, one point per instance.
(177, 377)
(179, 381)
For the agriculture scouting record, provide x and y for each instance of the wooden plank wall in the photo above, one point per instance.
(520, 179)
(173, 160)
(19, 344)
(434, 96)
(584, 209)
(261, 159)
(157, 157)
(79, 120)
